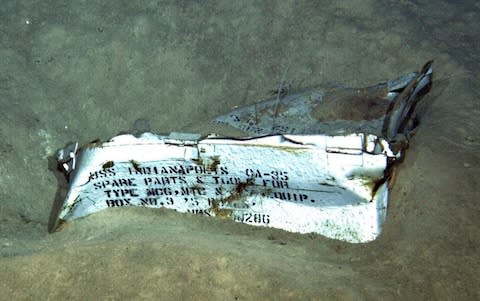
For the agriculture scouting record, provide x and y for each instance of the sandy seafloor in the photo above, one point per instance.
(80, 70)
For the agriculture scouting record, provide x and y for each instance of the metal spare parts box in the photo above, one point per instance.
(298, 167)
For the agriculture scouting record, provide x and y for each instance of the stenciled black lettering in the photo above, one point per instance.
(103, 173)
(167, 180)
(200, 211)
(279, 175)
(253, 173)
(223, 170)
(193, 191)
(121, 192)
(148, 202)
(123, 182)
(159, 191)
(253, 218)
(118, 202)
(143, 170)
(290, 196)
(226, 180)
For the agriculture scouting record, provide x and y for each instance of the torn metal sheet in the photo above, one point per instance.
(305, 174)
(385, 109)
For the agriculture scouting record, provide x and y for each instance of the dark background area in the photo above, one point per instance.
(77, 71)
